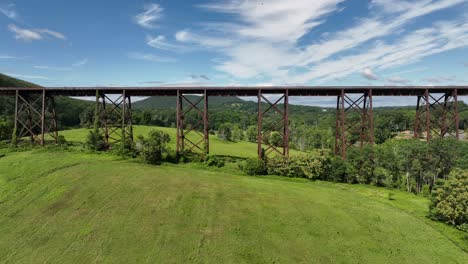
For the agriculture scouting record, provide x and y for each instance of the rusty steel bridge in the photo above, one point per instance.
(36, 117)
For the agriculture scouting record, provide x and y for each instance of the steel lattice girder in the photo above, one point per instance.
(185, 106)
(437, 115)
(35, 117)
(115, 117)
(354, 121)
(280, 126)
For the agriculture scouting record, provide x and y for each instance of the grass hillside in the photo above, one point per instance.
(68, 207)
(7, 81)
(217, 147)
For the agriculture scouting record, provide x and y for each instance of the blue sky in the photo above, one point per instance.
(230, 42)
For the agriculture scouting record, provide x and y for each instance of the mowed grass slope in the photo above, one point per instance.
(68, 207)
(217, 147)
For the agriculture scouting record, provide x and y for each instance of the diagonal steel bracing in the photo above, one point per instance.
(279, 123)
(354, 121)
(437, 115)
(199, 142)
(115, 117)
(35, 117)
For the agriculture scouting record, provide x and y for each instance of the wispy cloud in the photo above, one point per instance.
(7, 57)
(152, 13)
(43, 67)
(369, 75)
(397, 80)
(23, 76)
(149, 57)
(160, 42)
(272, 33)
(9, 11)
(80, 62)
(198, 77)
(28, 35)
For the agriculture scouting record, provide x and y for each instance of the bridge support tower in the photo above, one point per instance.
(35, 117)
(278, 123)
(199, 143)
(437, 115)
(114, 113)
(354, 121)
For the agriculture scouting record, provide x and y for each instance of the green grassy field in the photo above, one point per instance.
(217, 147)
(72, 207)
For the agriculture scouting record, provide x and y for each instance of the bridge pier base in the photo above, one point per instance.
(354, 122)
(200, 128)
(280, 124)
(35, 117)
(437, 116)
(115, 117)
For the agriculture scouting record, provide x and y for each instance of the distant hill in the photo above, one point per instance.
(169, 102)
(68, 109)
(7, 81)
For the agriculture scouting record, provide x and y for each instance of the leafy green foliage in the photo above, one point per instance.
(449, 201)
(313, 165)
(275, 139)
(214, 161)
(152, 148)
(225, 132)
(253, 166)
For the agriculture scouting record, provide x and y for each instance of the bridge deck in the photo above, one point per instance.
(241, 90)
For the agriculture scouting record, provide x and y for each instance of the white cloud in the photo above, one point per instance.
(264, 38)
(27, 35)
(152, 12)
(149, 57)
(80, 62)
(369, 74)
(9, 11)
(276, 20)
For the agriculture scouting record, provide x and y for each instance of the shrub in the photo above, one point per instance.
(214, 161)
(127, 148)
(312, 165)
(152, 148)
(253, 166)
(95, 141)
(276, 139)
(449, 201)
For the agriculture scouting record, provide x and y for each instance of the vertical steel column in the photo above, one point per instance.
(428, 115)
(206, 129)
(43, 117)
(457, 115)
(371, 118)
(417, 123)
(286, 124)
(259, 125)
(179, 125)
